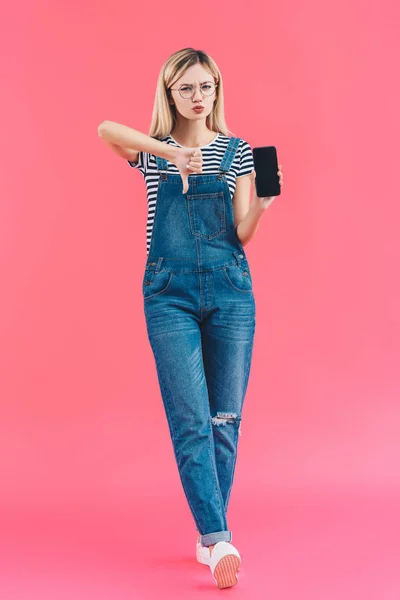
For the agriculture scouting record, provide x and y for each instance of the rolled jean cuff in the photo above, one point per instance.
(218, 536)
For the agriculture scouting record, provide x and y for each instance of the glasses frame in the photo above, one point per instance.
(194, 91)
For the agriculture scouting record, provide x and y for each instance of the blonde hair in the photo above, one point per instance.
(164, 114)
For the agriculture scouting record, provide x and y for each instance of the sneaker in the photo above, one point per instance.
(202, 553)
(224, 564)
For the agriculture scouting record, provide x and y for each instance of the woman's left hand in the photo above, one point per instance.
(265, 202)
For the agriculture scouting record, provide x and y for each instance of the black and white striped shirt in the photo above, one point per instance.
(212, 154)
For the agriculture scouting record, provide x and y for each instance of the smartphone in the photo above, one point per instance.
(266, 168)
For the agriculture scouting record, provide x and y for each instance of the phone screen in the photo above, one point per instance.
(266, 168)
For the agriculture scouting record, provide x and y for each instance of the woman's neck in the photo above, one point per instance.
(193, 138)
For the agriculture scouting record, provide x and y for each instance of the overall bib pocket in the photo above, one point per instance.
(155, 284)
(207, 214)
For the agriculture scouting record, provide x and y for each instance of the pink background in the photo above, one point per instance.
(91, 504)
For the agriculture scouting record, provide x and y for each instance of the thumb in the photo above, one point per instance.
(185, 183)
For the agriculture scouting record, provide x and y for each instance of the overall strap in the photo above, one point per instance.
(162, 165)
(226, 162)
(228, 157)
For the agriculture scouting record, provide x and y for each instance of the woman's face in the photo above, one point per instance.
(194, 76)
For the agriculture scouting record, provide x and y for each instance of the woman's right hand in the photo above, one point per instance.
(188, 160)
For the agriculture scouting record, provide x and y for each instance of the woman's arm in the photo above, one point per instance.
(247, 215)
(127, 153)
(247, 227)
(128, 142)
(247, 218)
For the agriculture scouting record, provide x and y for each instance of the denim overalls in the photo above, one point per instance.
(200, 315)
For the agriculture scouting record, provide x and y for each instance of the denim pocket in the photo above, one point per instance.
(239, 278)
(155, 284)
(207, 214)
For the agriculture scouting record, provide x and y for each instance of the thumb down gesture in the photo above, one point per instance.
(188, 160)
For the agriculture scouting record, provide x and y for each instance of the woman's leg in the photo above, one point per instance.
(227, 341)
(175, 338)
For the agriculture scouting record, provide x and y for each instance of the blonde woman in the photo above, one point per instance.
(197, 286)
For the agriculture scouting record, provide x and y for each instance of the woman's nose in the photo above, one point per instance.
(197, 93)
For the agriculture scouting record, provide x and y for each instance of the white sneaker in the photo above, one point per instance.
(224, 564)
(202, 553)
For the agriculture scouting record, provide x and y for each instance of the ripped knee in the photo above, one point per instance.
(223, 418)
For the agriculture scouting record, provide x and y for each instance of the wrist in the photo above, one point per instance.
(257, 205)
(172, 153)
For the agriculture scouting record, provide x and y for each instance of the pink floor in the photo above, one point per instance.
(317, 545)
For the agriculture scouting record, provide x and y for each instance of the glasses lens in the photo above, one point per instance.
(207, 89)
(187, 91)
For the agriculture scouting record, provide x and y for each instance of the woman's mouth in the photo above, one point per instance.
(198, 109)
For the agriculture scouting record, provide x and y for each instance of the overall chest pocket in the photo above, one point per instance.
(207, 214)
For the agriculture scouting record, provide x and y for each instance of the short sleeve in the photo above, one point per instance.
(246, 159)
(142, 163)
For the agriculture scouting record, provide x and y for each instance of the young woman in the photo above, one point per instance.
(197, 286)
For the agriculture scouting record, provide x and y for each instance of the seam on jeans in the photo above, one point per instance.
(212, 457)
(217, 487)
(248, 365)
(213, 461)
(186, 493)
(192, 217)
(227, 531)
(249, 291)
(232, 263)
(164, 391)
(228, 495)
(170, 418)
(145, 298)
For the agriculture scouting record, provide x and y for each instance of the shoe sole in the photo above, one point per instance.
(225, 573)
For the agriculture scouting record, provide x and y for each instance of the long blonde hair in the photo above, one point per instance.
(164, 114)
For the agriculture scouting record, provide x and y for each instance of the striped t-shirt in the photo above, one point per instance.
(212, 154)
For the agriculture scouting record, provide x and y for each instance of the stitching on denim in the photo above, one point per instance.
(214, 465)
(249, 291)
(194, 227)
(228, 495)
(145, 298)
(170, 418)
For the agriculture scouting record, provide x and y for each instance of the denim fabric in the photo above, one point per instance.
(200, 315)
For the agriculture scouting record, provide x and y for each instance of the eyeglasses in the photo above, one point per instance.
(187, 91)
